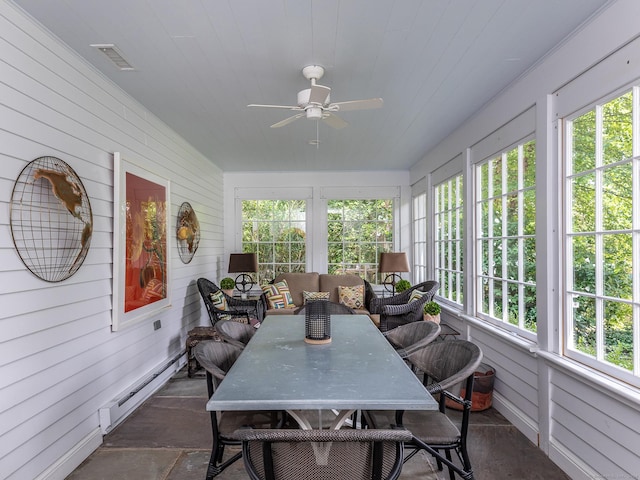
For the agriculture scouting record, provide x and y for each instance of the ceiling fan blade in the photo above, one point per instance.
(287, 121)
(357, 104)
(333, 120)
(287, 107)
(319, 94)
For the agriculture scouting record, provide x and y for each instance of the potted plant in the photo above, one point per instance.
(431, 312)
(402, 285)
(227, 284)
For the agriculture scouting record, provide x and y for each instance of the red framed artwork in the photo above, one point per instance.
(141, 252)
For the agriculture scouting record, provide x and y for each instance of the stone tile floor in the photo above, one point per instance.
(169, 438)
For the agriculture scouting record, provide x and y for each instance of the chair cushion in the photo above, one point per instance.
(432, 427)
(311, 296)
(278, 295)
(230, 421)
(352, 297)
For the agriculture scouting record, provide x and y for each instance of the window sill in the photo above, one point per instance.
(616, 389)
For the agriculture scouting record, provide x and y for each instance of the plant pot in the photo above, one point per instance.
(431, 318)
(228, 291)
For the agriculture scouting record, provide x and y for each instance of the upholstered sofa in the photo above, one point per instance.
(312, 282)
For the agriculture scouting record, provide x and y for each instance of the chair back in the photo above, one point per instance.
(447, 363)
(206, 287)
(235, 333)
(323, 454)
(411, 337)
(216, 358)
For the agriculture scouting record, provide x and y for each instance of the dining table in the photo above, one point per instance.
(357, 370)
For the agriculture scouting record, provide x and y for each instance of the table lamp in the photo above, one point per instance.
(392, 263)
(243, 263)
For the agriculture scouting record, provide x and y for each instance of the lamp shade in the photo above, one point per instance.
(393, 262)
(243, 262)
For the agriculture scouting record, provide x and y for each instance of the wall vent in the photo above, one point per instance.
(112, 53)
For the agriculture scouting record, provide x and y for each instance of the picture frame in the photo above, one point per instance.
(141, 251)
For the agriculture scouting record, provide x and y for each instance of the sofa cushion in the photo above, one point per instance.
(278, 295)
(298, 283)
(330, 283)
(311, 296)
(280, 311)
(352, 297)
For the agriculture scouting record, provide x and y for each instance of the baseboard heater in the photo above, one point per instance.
(118, 409)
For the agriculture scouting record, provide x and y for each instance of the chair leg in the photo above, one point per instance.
(446, 460)
(216, 468)
(466, 461)
(448, 454)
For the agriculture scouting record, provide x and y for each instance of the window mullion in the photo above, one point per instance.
(505, 232)
(599, 270)
(635, 181)
(449, 237)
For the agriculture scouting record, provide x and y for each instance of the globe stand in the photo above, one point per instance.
(244, 283)
(390, 282)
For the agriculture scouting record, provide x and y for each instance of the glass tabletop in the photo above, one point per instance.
(357, 370)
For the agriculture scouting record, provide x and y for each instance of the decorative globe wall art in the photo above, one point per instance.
(51, 219)
(187, 232)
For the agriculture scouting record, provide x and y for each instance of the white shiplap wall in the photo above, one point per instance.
(59, 361)
(589, 425)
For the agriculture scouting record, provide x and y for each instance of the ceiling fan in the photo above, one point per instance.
(314, 102)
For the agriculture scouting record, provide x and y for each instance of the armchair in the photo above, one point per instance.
(396, 310)
(237, 308)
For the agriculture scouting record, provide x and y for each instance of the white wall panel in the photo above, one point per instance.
(59, 361)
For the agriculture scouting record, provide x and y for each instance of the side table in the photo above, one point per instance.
(447, 331)
(256, 314)
(195, 336)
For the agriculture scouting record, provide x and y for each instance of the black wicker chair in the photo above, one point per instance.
(446, 365)
(239, 310)
(395, 311)
(217, 358)
(323, 454)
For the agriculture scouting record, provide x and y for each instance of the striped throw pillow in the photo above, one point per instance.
(278, 295)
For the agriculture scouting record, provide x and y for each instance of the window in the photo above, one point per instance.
(358, 231)
(276, 231)
(448, 235)
(602, 269)
(505, 238)
(419, 212)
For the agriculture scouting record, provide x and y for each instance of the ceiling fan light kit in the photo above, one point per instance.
(315, 103)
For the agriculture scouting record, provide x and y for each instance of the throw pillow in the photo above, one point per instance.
(416, 295)
(278, 295)
(352, 297)
(311, 296)
(219, 300)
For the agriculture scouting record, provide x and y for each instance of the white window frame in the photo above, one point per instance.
(444, 258)
(520, 237)
(419, 232)
(599, 362)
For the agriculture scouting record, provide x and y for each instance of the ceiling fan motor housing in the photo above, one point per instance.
(314, 112)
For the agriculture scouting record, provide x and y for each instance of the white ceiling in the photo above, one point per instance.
(198, 63)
